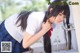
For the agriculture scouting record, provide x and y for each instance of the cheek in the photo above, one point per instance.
(59, 19)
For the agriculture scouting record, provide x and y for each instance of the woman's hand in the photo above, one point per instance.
(29, 39)
(46, 25)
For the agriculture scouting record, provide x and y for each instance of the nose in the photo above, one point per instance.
(61, 20)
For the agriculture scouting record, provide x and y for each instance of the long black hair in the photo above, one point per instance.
(57, 7)
(22, 17)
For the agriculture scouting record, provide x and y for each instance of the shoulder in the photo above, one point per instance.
(37, 15)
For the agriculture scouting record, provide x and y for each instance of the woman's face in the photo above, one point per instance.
(59, 18)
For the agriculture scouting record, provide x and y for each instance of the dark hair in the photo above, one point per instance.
(23, 18)
(57, 7)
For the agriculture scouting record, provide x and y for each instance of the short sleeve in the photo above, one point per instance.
(31, 24)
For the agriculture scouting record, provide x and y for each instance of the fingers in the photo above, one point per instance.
(46, 25)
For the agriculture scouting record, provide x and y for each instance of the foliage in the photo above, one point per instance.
(9, 7)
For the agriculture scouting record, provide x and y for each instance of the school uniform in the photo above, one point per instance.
(5, 36)
(10, 32)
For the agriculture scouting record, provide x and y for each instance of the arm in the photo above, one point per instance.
(28, 39)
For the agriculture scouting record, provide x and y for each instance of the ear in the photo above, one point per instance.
(51, 9)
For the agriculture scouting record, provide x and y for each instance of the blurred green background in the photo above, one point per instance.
(9, 7)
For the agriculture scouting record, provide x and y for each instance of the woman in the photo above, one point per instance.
(26, 28)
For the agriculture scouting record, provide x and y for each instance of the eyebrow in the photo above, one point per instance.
(63, 14)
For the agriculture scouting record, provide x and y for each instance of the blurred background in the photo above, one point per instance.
(9, 7)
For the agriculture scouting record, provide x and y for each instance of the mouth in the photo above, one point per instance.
(59, 21)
